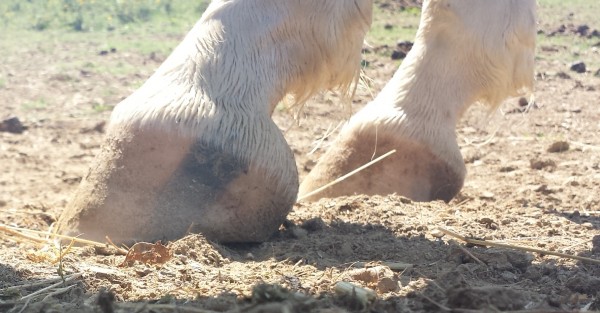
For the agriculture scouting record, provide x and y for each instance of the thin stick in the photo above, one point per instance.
(11, 230)
(5, 229)
(58, 291)
(24, 306)
(507, 246)
(68, 279)
(31, 285)
(339, 179)
(467, 252)
(120, 249)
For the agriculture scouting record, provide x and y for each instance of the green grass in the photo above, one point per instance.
(552, 14)
(156, 26)
(403, 26)
(99, 108)
(35, 105)
(97, 15)
(139, 26)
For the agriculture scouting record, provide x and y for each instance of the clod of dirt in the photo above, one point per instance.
(504, 260)
(523, 102)
(105, 301)
(197, 248)
(398, 4)
(12, 125)
(313, 224)
(379, 277)
(398, 55)
(274, 298)
(559, 146)
(563, 75)
(489, 223)
(349, 206)
(492, 298)
(354, 297)
(269, 293)
(596, 244)
(559, 30)
(584, 283)
(148, 253)
(538, 164)
(404, 46)
(508, 168)
(582, 30)
(578, 67)
(545, 190)
(299, 233)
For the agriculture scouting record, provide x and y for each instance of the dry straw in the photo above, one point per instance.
(514, 247)
(342, 178)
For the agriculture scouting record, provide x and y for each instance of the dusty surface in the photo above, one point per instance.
(519, 190)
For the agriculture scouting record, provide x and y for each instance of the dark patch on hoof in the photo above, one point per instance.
(211, 166)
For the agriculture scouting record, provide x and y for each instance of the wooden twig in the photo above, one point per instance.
(31, 285)
(58, 292)
(122, 250)
(24, 306)
(9, 230)
(513, 247)
(364, 295)
(339, 179)
(19, 232)
(67, 279)
(467, 252)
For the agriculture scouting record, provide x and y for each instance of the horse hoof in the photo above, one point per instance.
(413, 170)
(149, 185)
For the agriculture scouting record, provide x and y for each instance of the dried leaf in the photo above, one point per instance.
(147, 253)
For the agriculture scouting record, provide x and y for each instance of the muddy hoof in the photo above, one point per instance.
(413, 171)
(149, 185)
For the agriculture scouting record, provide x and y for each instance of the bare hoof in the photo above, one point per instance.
(412, 171)
(151, 185)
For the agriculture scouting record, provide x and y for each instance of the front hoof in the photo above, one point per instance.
(148, 186)
(413, 171)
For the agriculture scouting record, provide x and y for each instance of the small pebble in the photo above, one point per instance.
(559, 146)
(12, 125)
(487, 195)
(578, 67)
(588, 225)
(437, 233)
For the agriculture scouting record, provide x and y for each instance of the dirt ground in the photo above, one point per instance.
(533, 180)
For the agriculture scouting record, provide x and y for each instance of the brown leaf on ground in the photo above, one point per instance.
(147, 253)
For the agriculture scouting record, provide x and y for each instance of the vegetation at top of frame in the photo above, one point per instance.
(97, 15)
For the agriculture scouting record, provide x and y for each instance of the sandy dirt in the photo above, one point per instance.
(533, 180)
